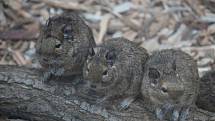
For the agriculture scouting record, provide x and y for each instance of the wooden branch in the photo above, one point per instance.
(23, 95)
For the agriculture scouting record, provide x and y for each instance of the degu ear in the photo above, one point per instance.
(47, 22)
(91, 52)
(94, 50)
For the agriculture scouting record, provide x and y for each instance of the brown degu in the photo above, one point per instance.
(171, 84)
(206, 97)
(115, 70)
(63, 45)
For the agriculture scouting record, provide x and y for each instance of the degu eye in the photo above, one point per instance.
(110, 55)
(67, 32)
(153, 73)
(58, 44)
(164, 89)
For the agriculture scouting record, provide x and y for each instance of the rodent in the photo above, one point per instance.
(206, 97)
(115, 71)
(171, 84)
(63, 45)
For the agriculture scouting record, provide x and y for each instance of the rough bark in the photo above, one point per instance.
(24, 96)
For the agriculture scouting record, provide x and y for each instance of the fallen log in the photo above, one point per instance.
(25, 96)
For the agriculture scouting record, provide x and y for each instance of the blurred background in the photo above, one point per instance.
(156, 24)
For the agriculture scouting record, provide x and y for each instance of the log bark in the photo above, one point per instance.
(24, 95)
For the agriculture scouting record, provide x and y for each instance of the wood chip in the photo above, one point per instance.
(103, 28)
(19, 58)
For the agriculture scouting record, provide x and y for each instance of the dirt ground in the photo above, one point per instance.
(188, 25)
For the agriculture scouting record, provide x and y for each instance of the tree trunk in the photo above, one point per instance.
(24, 96)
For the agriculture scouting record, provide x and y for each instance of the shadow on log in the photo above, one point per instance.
(24, 96)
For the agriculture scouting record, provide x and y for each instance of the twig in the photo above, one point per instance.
(125, 20)
(69, 5)
(103, 28)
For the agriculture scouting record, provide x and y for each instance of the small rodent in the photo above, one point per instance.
(206, 97)
(63, 45)
(115, 70)
(171, 84)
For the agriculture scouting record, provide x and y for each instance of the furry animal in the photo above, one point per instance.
(206, 97)
(64, 44)
(115, 71)
(171, 84)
